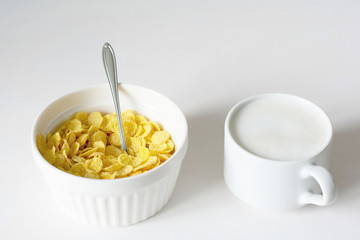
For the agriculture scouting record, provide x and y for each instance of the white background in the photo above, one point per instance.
(205, 56)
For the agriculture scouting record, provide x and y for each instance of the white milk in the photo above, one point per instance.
(281, 128)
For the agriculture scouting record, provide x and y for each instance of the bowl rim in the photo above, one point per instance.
(41, 160)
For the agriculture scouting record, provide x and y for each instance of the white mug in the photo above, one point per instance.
(277, 151)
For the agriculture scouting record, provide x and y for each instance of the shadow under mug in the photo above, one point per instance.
(275, 184)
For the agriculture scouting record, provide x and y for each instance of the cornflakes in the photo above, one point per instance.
(89, 145)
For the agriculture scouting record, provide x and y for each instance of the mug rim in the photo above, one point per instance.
(230, 115)
(41, 160)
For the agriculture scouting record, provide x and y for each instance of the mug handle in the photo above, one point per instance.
(327, 185)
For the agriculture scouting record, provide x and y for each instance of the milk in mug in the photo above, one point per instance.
(280, 129)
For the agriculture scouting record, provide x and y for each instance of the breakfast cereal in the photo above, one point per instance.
(89, 145)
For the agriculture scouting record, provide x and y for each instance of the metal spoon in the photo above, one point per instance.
(110, 69)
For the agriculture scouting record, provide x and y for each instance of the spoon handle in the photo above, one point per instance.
(110, 69)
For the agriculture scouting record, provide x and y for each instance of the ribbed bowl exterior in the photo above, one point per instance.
(117, 210)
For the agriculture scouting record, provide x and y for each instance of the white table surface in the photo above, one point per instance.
(206, 56)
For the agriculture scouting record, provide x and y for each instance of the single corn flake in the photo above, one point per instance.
(96, 155)
(124, 171)
(54, 140)
(125, 159)
(78, 168)
(82, 139)
(146, 132)
(70, 138)
(115, 167)
(133, 145)
(87, 151)
(92, 130)
(139, 131)
(108, 160)
(163, 157)
(107, 175)
(99, 136)
(129, 128)
(92, 175)
(50, 155)
(148, 164)
(82, 117)
(65, 148)
(142, 156)
(160, 137)
(61, 161)
(74, 149)
(48, 136)
(128, 116)
(62, 169)
(109, 123)
(170, 146)
(112, 150)
(114, 139)
(158, 147)
(78, 159)
(94, 165)
(41, 144)
(140, 119)
(155, 125)
(74, 126)
(66, 158)
(135, 173)
(100, 146)
(95, 118)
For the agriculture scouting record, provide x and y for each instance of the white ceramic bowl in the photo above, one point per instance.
(116, 202)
